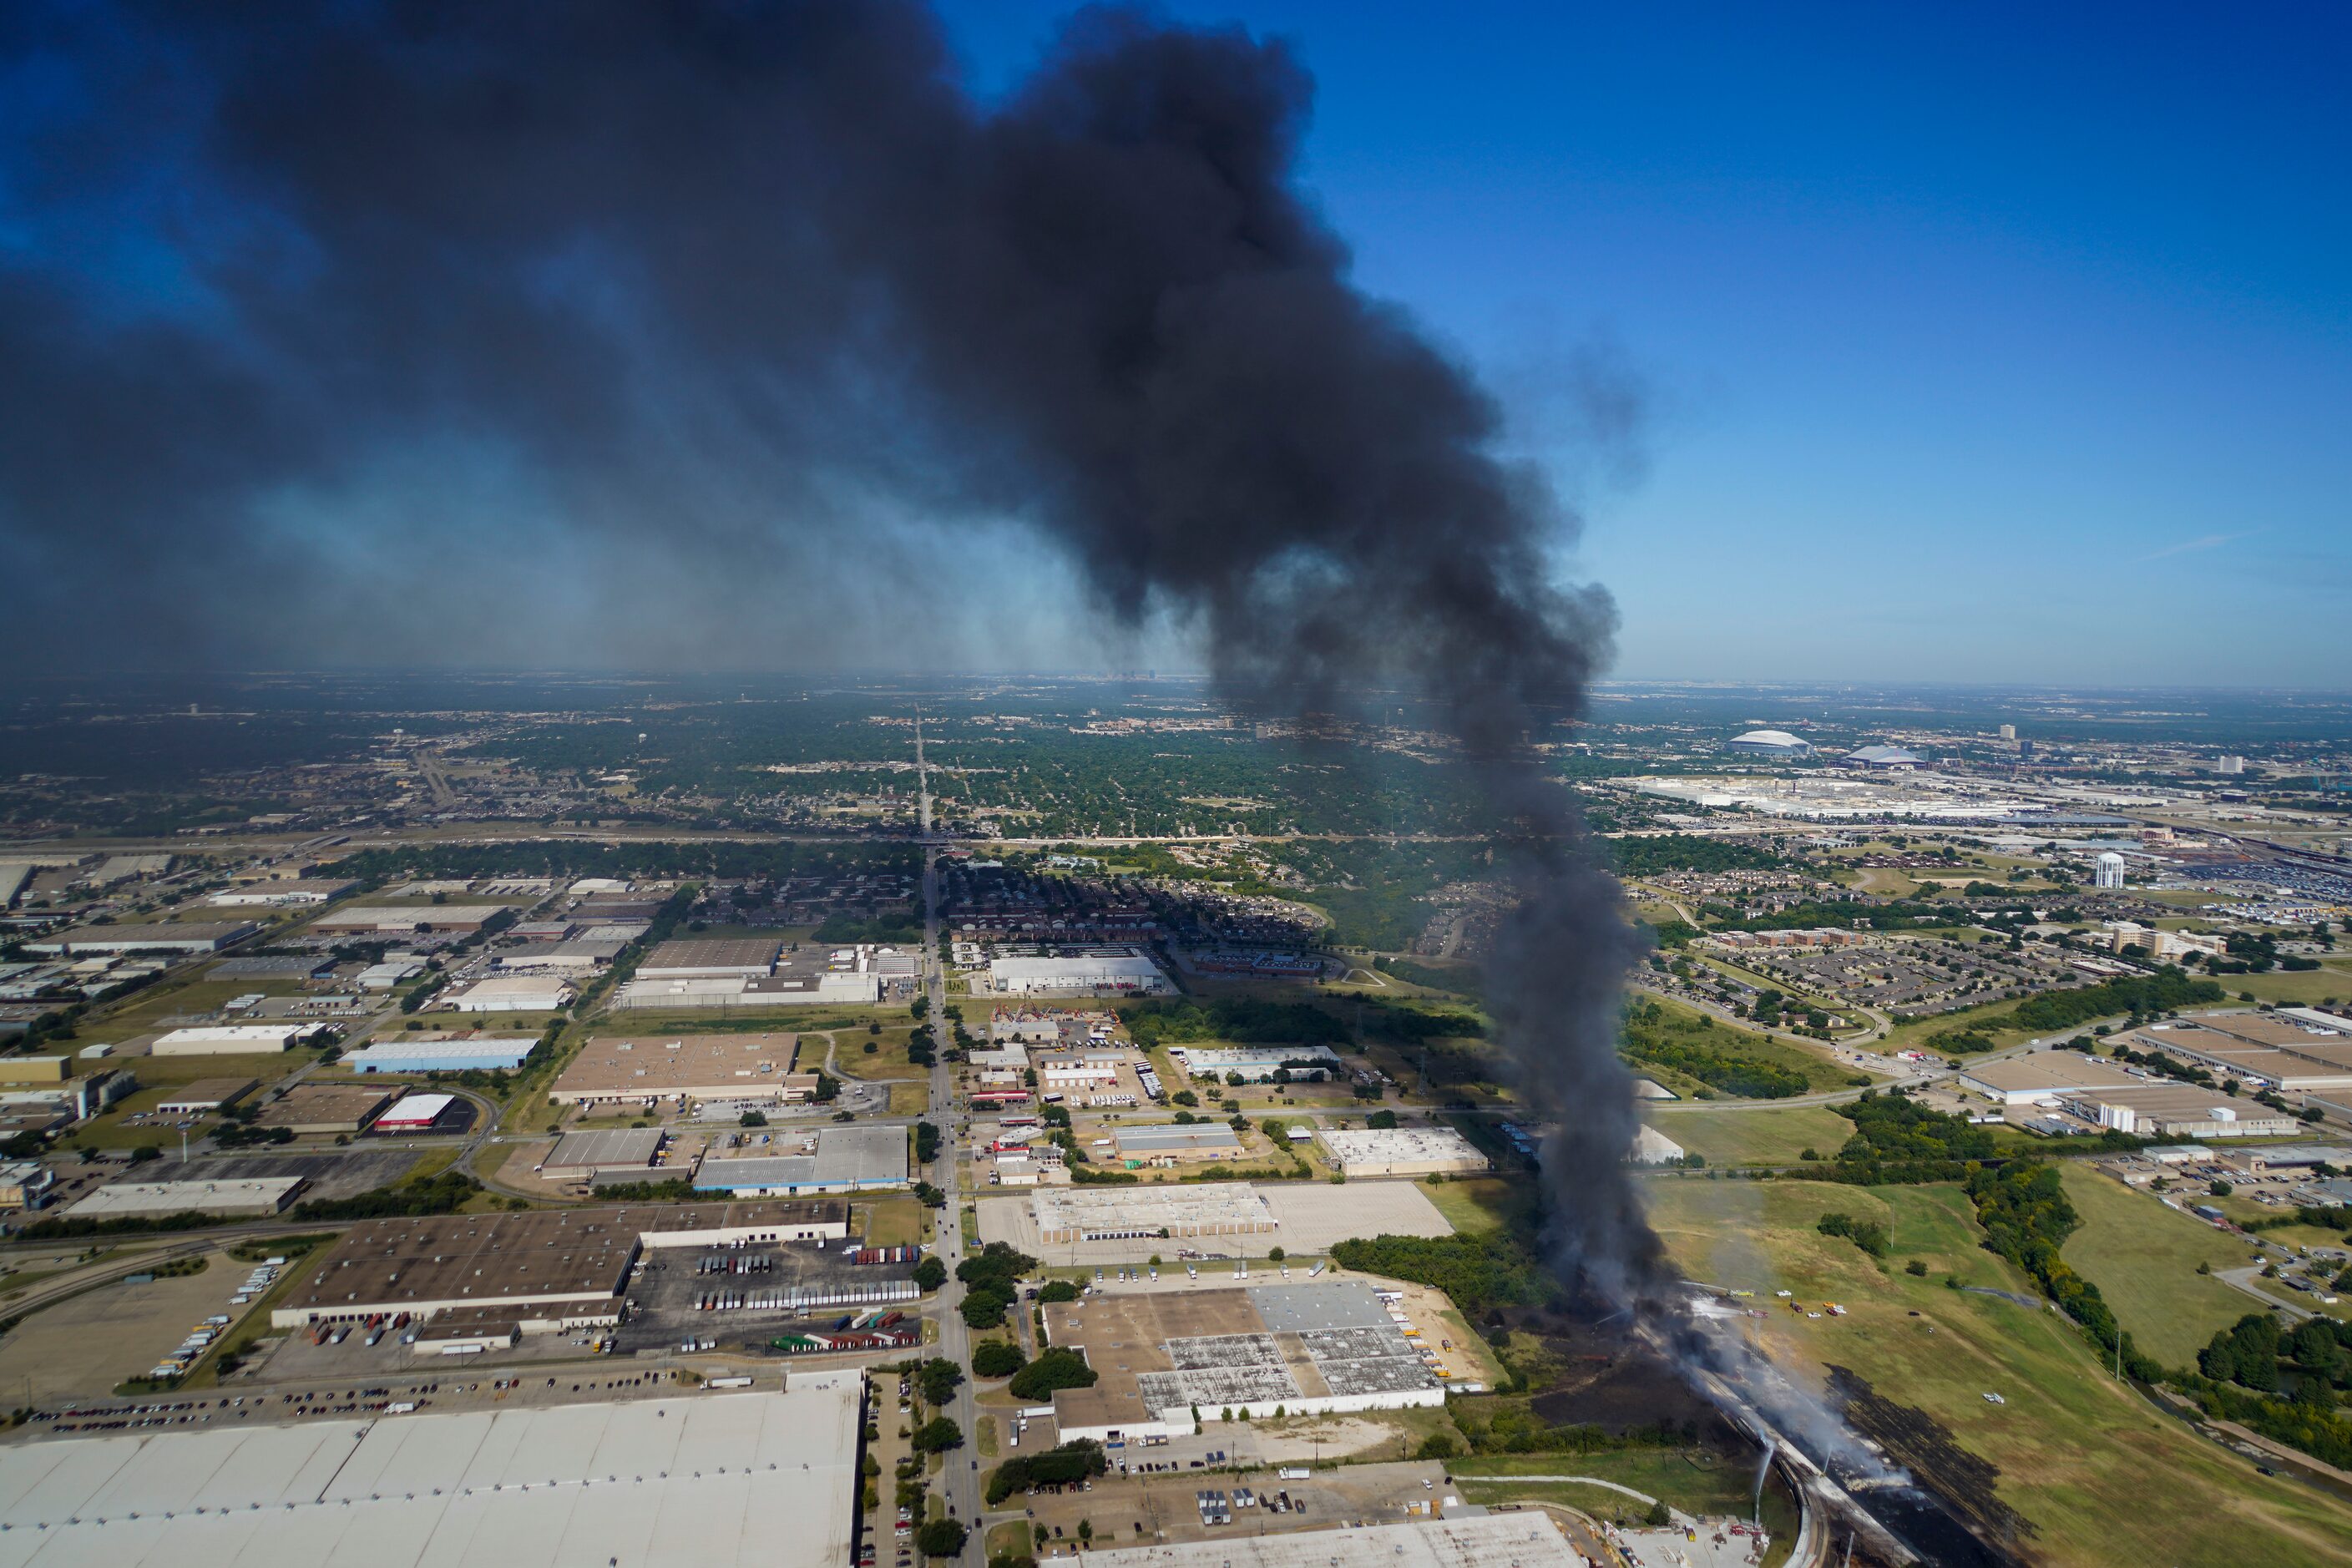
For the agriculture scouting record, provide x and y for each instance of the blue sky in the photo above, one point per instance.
(1980, 345)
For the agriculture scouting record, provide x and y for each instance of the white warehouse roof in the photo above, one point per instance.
(713, 1480)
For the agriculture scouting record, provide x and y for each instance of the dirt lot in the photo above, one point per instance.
(1138, 1509)
(82, 1347)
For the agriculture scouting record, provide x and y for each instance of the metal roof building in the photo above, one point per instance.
(830, 1159)
(247, 1195)
(714, 1480)
(490, 1054)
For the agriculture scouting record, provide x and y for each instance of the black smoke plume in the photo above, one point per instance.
(655, 314)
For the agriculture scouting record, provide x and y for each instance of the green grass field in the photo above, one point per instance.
(2143, 1257)
(2101, 1476)
(1764, 1135)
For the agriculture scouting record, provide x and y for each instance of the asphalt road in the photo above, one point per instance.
(959, 1482)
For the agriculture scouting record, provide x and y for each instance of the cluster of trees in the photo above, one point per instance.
(2027, 1219)
(927, 1143)
(996, 1358)
(1231, 1018)
(1058, 1368)
(1697, 1047)
(1063, 1466)
(2141, 996)
(1480, 1272)
(937, 1380)
(991, 1279)
(1896, 1140)
(841, 929)
(2241, 1372)
(1687, 852)
(1867, 1233)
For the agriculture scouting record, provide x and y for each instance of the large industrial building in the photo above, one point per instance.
(1769, 743)
(1107, 971)
(247, 1196)
(163, 936)
(513, 994)
(2289, 1053)
(2042, 1077)
(688, 1068)
(702, 959)
(405, 919)
(716, 1479)
(1075, 1213)
(843, 988)
(835, 1159)
(232, 1040)
(1402, 1152)
(1528, 1538)
(1257, 1064)
(1304, 1349)
(549, 1266)
(1165, 1142)
(320, 1108)
(618, 1152)
(398, 1053)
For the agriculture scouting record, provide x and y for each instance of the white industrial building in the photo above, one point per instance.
(514, 994)
(232, 1040)
(832, 987)
(1256, 1063)
(162, 936)
(1402, 1152)
(153, 1200)
(1110, 971)
(716, 1479)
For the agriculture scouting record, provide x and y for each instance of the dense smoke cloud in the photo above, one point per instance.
(682, 315)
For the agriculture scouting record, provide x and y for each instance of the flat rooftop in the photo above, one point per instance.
(822, 1157)
(705, 1066)
(706, 955)
(1257, 1344)
(318, 1104)
(207, 1093)
(625, 1146)
(254, 1195)
(1402, 1146)
(1168, 1138)
(2048, 1072)
(1128, 1211)
(719, 1480)
(1523, 1540)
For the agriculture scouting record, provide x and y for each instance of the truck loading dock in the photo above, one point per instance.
(564, 1258)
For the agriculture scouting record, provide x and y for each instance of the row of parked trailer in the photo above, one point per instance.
(201, 1337)
(752, 1263)
(886, 1254)
(870, 1330)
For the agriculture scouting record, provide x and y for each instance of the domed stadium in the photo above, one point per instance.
(1769, 743)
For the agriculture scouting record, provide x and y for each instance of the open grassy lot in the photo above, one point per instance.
(893, 1222)
(851, 1058)
(2143, 1257)
(1762, 1135)
(1481, 1203)
(1821, 1073)
(2097, 1475)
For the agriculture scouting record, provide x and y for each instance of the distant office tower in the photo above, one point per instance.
(2110, 872)
(2009, 732)
(2229, 764)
